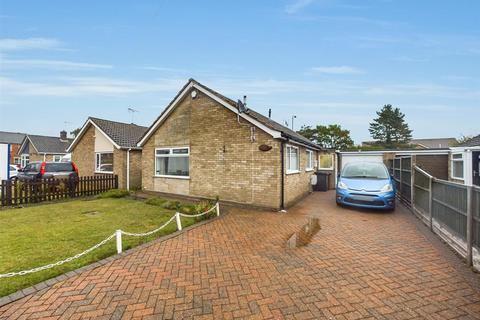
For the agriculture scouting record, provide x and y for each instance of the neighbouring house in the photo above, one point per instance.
(109, 147)
(464, 162)
(205, 145)
(433, 143)
(43, 148)
(14, 139)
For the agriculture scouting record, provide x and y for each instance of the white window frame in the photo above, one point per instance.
(288, 160)
(462, 159)
(24, 160)
(320, 162)
(310, 160)
(171, 155)
(55, 156)
(96, 164)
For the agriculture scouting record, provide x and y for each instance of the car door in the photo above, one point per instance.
(476, 168)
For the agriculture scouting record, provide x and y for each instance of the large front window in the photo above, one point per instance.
(172, 162)
(293, 163)
(104, 162)
(457, 166)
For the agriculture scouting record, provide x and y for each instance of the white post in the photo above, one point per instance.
(217, 209)
(118, 235)
(179, 222)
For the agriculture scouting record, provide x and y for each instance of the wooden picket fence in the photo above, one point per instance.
(17, 192)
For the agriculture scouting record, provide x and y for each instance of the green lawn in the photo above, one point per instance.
(39, 235)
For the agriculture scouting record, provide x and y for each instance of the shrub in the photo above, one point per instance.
(171, 205)
(188, 209)
(114, 193)
(155, 201)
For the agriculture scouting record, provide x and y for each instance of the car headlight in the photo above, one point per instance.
(387, 188)
(342, 185)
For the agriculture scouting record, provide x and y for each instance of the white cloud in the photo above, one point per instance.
(297, 5)
(10, 44)
(86, 86)
(49, 64)
(337, 70)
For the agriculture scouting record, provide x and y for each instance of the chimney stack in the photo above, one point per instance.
(63, 135)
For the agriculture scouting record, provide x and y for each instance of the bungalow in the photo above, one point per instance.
(205, 145)
(43, 148)
(464, 162)
(109, 147)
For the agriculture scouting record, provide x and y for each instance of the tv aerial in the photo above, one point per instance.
(132, 112)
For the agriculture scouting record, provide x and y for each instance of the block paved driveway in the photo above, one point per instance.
(361, 265)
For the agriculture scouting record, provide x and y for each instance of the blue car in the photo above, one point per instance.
(366, 185)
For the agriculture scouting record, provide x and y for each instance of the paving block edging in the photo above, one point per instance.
(44, 285)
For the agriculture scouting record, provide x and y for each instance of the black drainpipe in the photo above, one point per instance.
(282, 185)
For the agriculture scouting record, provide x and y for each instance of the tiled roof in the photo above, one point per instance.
(126, 135)
(11, 137)
(286, 132)
(435, 142)
(474, 142)
(45, 144)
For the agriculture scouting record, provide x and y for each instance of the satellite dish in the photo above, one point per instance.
(241, 107)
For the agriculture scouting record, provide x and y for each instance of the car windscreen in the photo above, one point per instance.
(32, 167)
(59, 167)
(367, 170)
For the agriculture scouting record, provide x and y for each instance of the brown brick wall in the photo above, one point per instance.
(135, 169)
(83, 155)
(297, 185)
(223, 160)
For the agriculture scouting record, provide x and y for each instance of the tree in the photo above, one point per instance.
(390, 128)
(331, 136)
(75, 132)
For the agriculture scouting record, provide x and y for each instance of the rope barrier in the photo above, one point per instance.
(58, 263)
(118, 235)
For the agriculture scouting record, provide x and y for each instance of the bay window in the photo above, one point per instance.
(172, 162)
(104, 162)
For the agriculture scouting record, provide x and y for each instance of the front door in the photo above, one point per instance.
(476, 168)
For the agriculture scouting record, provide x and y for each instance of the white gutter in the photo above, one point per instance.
(128, 168)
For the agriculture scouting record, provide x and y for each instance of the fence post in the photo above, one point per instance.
(116, 181)
(179, 222)
(430, 202)
(412, 186)
(469, 225)
(118, 235)
(8, 192)
(217, 209)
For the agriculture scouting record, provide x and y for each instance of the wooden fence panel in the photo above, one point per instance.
(23, 192)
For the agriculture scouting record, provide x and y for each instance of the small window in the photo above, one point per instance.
(16, 160)
(57, 158)
(24, 160)
(104, 162)
(457, 166)
(310, 161)
(292, 159)
(326, 162)
(172, 162)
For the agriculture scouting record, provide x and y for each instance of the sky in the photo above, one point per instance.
(323, 61)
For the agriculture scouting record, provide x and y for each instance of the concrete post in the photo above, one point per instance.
(430, 202)
(217, 209)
